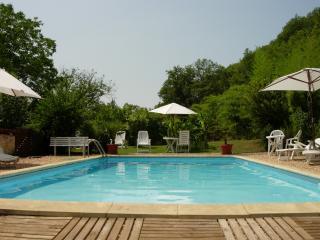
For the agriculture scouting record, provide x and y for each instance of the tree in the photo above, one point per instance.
(26, 54)
(24, 51)
(70, 105)
(190, 84)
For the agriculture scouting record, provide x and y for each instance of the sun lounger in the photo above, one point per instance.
(296, 149)
(6, 159)
(312, 156)
(291, 141)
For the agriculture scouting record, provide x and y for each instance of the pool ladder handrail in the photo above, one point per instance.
(98, 145)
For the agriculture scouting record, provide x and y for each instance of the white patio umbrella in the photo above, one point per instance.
(173, 109)
(12, 86)
(307, 79)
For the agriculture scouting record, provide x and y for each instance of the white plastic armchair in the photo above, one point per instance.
(290, 142)
(120, 139)
(143, 140)
(275, 141)
(7, 159)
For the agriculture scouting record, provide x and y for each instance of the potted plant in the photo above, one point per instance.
(226, 148)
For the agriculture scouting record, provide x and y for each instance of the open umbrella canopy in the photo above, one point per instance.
(12, 86)
(173, 109)
(307, 79)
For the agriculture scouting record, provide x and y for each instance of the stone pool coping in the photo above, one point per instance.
(108, 209)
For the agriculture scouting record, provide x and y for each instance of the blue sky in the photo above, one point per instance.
(134, 42)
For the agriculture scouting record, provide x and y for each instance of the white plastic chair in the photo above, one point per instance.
(297, 148)
(143, 140)
(184, 140)
(291, 141)
(7, 159)
(120, 139)
(275, 141)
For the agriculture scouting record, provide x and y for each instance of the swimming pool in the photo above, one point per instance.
(163, 180)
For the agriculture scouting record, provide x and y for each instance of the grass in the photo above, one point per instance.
(239, 146)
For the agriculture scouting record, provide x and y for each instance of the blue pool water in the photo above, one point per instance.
(163, 180)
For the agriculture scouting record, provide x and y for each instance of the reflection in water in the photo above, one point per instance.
(121, 169)
(143, 171)
(184, 171)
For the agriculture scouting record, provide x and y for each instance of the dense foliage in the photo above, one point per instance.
(26, 54)
(234, 106)
(227, 99)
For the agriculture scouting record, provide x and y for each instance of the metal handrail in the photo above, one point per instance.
(98, 145)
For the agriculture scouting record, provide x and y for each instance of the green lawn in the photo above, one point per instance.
(239, 146)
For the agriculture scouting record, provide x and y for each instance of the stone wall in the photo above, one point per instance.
(7, 142)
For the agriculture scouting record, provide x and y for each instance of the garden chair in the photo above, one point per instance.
(184, 140)
(291, 141)
(120, 139)
(275, 141)
(297, 148)
(143, 140)
(7, 159)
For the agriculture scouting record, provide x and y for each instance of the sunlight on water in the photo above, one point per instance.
(163, 180)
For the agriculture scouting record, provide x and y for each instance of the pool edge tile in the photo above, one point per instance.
(211, 210)
(54, 208)
(144, 210)
(277, 209)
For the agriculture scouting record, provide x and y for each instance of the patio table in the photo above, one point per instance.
(170, 143)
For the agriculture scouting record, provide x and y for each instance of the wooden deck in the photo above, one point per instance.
(63, 228)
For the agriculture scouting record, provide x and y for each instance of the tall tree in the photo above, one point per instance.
(70, 104)
(24, 51)
(26, 54)
(190, 84)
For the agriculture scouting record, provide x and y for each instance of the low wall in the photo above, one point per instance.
(8, 143)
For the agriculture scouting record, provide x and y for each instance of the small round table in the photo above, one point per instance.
(170, 143)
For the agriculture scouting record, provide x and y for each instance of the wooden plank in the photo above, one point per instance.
(106, 228)
(267, 229)
(177, 235)
(236, 229)
(76, 229)
(96, 229)
(257, 229)
(277, 228)
(288, 228)
(184, 238)
(116, 229)
(34, 230)
(126, 229)
(226, 229)
(65, 231)
(135, 233)
(86, 229)
(246, 229)
(22, 235)
(33, 221)
(299, 229)
(35, 217)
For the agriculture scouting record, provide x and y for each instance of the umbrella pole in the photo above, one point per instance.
(310, 103)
